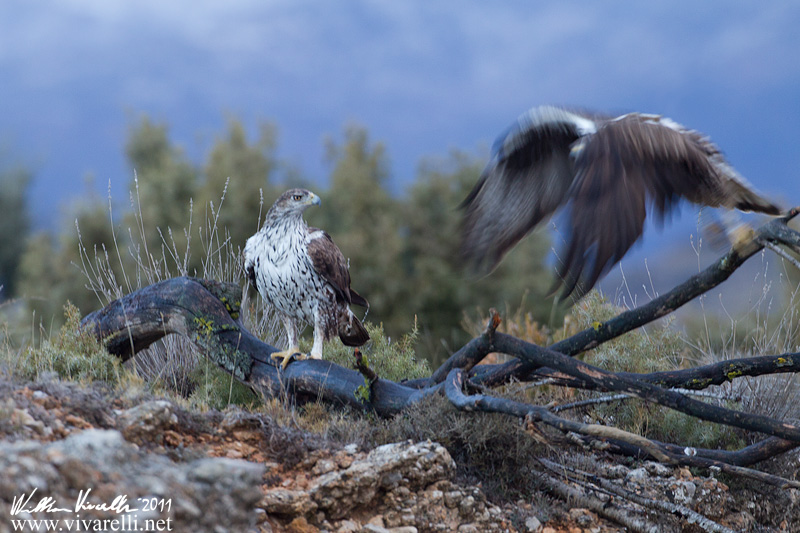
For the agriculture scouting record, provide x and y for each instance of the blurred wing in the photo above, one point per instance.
(526, 180)
(329, 263)
(629, 162)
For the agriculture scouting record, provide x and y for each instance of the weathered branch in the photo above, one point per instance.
(696, 378)
(205, 312)
(544, 357)
(614, 440)
(480, 402)
(605, 508)
(775, 231)
(691, 516)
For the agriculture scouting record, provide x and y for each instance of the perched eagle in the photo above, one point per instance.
(301, 273)
(604, 171)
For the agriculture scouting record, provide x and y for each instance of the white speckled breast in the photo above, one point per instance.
(284, 273)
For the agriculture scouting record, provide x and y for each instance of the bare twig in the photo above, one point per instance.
(696, 378)
(616, 441)
(775, 231)
(781, 252)
(606, 509)
(471, 353)
(691, 516)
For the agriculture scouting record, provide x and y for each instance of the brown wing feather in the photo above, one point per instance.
(330, 263)
(607, 214)
(628, 163)
(525, 182)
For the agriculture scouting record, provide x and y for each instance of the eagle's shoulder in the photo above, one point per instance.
(329, 262)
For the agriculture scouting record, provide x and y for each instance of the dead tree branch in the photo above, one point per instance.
(776, 231)
(586, 479)
(613, 440)
(696, 378)
(207, 313)
(603, 507)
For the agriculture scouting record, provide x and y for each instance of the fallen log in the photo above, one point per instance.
(207, 312)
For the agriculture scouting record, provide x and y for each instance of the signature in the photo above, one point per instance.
(47, 504)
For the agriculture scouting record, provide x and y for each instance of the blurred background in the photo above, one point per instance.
(126, 126)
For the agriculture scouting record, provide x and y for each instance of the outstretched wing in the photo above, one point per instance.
(629, 162)
(526, 180)
(329, 262)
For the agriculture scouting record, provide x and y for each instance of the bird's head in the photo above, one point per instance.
(295, 200)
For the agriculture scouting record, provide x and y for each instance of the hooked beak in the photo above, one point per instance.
(314, 199)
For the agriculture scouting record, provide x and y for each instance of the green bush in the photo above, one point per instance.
(392, 360)
(73, 354)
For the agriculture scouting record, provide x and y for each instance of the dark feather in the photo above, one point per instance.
(605, 172)
(329, 262)
(352, 331)
(250, 272)
(357, 299)
(525, 182)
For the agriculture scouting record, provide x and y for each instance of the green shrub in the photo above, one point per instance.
(392, 360)
(213, 388)
(73, 354)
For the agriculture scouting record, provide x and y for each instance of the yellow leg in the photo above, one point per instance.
(285, 357)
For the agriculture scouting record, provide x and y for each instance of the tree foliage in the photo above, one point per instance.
(165, 184)
(50, 266)
(246, 173)
(14, 225)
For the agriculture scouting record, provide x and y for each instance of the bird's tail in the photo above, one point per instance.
(351, 330)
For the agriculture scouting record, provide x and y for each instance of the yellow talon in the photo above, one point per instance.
(285, 357)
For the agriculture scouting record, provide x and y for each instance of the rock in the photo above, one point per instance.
(657, 469)
(301, 525)
(452, 498)
(404, 486)
(386, 466)
(638, 475)
(348, 526)
(532, 524)
(323, 466)
(39, 395)
(683, 491)
(373, 528)
(376, 521)
(287, 502)
(96, 446)
(146, 422)
(201, 494)
(466, 505)
(351, 449)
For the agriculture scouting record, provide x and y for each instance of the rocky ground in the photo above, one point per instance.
(237, 471)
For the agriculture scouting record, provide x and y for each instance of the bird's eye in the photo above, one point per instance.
(296, 197)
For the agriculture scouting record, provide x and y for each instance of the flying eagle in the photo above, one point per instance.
(604, 171)
(301, 273)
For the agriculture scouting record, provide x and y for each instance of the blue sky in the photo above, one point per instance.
(423, 77)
